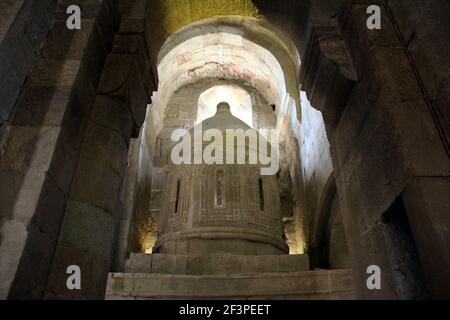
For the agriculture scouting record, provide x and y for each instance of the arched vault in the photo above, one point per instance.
(237, 49)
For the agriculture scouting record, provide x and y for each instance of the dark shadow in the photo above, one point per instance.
(32, 110)
(407, 270)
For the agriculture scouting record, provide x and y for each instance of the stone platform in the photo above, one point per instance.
(167, 276)
(215, 264)
(318, 284)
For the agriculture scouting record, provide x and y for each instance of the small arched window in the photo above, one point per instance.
(261, 194)
(220, 189)
(177, 195)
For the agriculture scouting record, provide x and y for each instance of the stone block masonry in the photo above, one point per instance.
(41, 142)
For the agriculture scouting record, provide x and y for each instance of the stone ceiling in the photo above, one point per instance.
(165, 17)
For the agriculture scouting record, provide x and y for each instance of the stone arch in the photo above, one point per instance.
(326, 216)
(195, 90)
(278, 56)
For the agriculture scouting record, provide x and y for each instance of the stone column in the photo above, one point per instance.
(94, 208)
(427, 206)
(386, 137)
(88, 228)
(129, 207)
(383, 140)
(425, 25)
(41, 144)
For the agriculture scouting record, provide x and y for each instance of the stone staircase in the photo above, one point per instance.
(215, 264)
(160, 276)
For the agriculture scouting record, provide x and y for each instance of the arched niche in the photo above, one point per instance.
(238, 98)
(182, 111)
(240, 49)
(329, 248)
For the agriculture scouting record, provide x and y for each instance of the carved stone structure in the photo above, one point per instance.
(221, 208)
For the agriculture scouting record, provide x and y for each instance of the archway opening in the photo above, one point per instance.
(239, 100)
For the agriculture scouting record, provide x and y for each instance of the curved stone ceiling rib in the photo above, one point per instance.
(166, 17)
(222, 49)
(170, 22)
(221, 56)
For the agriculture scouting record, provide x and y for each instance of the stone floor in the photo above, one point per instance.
(317, 284)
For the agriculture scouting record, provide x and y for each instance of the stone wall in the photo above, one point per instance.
(139, 227)
(425, 29)
(424, 26)
(385, 141)
(23, 27)
(326, 241)
(41, 144)
(95, 206)
(306, 285)
(315, 154)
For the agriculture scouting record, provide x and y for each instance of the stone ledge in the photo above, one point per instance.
(320, 284)
(215, 264)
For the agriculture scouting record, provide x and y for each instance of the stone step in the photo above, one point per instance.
(318, 284)
(215, 264)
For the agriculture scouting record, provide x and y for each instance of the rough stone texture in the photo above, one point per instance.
(137, 228)
(245, 222)
(41, 145)
(316, 167)
(132, 14)
(381, 136)
(424, 27)
(326, 285)
(23, 27)
(9, 10)
(386, 138)
(215, 264)
(338, 255)
(380, 114)
(128, 197)
(91, 215)
(97, 191)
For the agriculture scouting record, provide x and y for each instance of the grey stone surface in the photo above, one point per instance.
(23, 27)
(41, 143)
(429, 219)
(215, 264)
(9, 10)
(171, 264)
(327, 285)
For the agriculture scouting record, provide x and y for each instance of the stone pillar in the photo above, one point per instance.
(383, 139)
(427, 206)
(134, 221)
(94, 208)
(41, 145)
(88, 229)
(425, 25)
(129, 199)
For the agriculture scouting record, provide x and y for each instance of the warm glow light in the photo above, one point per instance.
(148, 242)
(148, 249)
(296, 248)
(238, 99)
